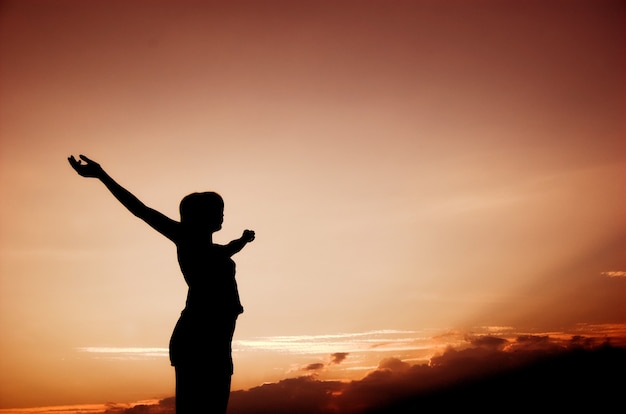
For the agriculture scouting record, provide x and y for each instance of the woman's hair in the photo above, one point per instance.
(197, 206)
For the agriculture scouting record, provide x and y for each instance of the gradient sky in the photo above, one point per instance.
(408, 167)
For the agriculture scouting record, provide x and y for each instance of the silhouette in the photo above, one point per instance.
(200, 345)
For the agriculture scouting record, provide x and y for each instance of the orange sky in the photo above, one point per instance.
(409, 167)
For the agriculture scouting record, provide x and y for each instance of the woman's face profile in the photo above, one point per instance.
(215, 219)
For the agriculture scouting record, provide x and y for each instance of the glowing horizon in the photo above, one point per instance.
(341, 367)
(360, 352)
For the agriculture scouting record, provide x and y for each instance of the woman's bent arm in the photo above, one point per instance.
(236, 245)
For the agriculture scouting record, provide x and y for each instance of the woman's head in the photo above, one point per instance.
(202, 209)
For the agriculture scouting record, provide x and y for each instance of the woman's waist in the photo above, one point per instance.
(201, 308)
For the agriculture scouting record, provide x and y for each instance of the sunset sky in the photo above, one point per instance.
(415, 171)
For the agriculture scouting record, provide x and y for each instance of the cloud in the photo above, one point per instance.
(338, 357)
(614, 273)
(302, 395)
(393, 364)
(476, 367)
(164, 406)
(108, 352)
(314, 367)
(335, 344)
(335, 358)
(488, 341)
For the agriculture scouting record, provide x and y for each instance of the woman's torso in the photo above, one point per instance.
(210, 275)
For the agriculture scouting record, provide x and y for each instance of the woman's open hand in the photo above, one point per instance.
(89, 168)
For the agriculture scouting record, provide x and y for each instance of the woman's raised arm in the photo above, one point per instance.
(160, 222)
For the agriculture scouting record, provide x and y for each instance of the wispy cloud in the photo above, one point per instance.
(338, 344)
(337, 347)
(614, 273)
(58, 409)
(125, 352)
(153, 406)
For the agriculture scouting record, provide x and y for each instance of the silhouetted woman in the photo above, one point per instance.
(200, 346)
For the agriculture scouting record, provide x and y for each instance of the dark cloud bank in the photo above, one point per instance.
(493, 375)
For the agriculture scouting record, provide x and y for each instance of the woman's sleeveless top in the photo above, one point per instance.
(210, 274)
